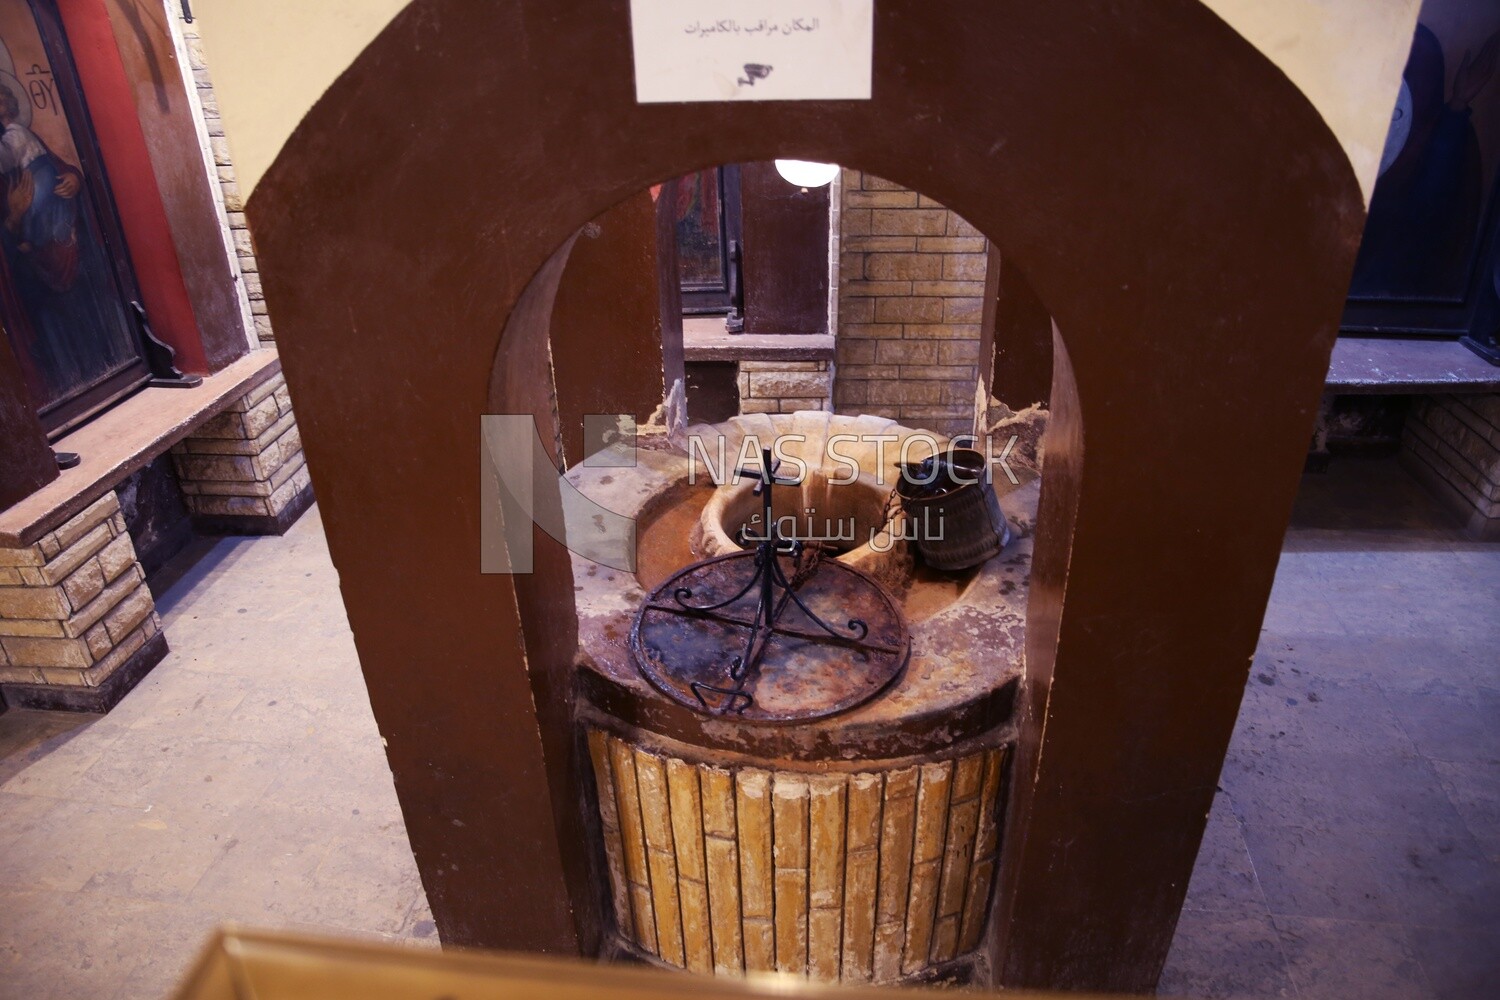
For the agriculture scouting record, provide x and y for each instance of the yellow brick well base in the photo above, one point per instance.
(873, 875)
(78, 626)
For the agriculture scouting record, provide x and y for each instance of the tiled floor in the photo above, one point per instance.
(1354, 848)
(1354, 851)
(243, 780)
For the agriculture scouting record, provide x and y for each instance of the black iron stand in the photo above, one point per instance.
(775, 592)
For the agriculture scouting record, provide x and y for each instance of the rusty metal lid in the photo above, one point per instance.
(690, 631)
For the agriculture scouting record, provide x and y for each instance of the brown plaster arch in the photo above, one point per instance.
(1181, 209)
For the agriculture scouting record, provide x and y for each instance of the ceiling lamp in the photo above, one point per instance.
(806, 174)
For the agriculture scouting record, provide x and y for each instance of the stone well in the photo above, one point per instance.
(859, 847)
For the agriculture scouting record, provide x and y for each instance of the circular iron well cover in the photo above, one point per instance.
(836, 640)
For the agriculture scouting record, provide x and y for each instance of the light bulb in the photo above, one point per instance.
(806, 174)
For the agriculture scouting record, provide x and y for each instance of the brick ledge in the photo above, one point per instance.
(126, 438)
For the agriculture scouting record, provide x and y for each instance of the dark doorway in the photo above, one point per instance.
(709, 239)
(66, 286)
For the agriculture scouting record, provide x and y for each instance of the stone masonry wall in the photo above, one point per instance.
(911, 288)
(784, 386)
(74, 608)
(1452, 443)
(244, 470)
(234, 202)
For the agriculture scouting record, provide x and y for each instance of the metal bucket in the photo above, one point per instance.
(951, 509)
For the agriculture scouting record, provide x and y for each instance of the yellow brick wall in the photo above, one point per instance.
(911, 287)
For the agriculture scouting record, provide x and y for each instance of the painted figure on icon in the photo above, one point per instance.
(65, 311)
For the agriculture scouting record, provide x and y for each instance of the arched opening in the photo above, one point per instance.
(1082, 137)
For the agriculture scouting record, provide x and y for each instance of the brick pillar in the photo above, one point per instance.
(1452, 443)
(243, 472)
(78, 626)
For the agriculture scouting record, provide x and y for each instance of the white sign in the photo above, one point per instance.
(752, 50)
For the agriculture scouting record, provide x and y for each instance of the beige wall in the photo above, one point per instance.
(1345, 55)
(272, 59)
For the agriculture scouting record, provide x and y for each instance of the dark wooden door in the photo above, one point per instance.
(707, 215)
(65, 282)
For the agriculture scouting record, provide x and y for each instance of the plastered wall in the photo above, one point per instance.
(272, 59)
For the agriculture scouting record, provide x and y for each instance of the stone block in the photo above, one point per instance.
(95, 610)
(82, 549)
(957, 226)
(289, 470)
(133, 609)
(82, 523)
(904, 267)
(793, 404)
(882, 201)
(123, 650)
(949, 289)
(287, 491)
(855, 310)
(856, 352)
(218, 468)
(191, 488)
(869, 182)
(958, 352)
(871, 373)
(240, 445)
(960, 393)
(871, 331)
(909, 309)
(228, 425)
(724, 904)
(41, 628)
(854, 222)
(24, 651)
(98, 641)
(915, 222)
(877, 244)
(942, 331)
(85, 584)
(964, 310)
(25, 555)
(850, 289)
(782, 366)
(229, 506)
(952, 244)
(263, 390)
(904, 392)
(34, 602)
(261, 416)
(826, 811)
(753, 817)
(848, 394)
(19, 675)
(964, 266)
(753, 405)
(768, 384)
(65, 677)
(906, 352)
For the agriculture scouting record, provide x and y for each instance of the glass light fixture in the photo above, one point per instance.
(806, 174)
